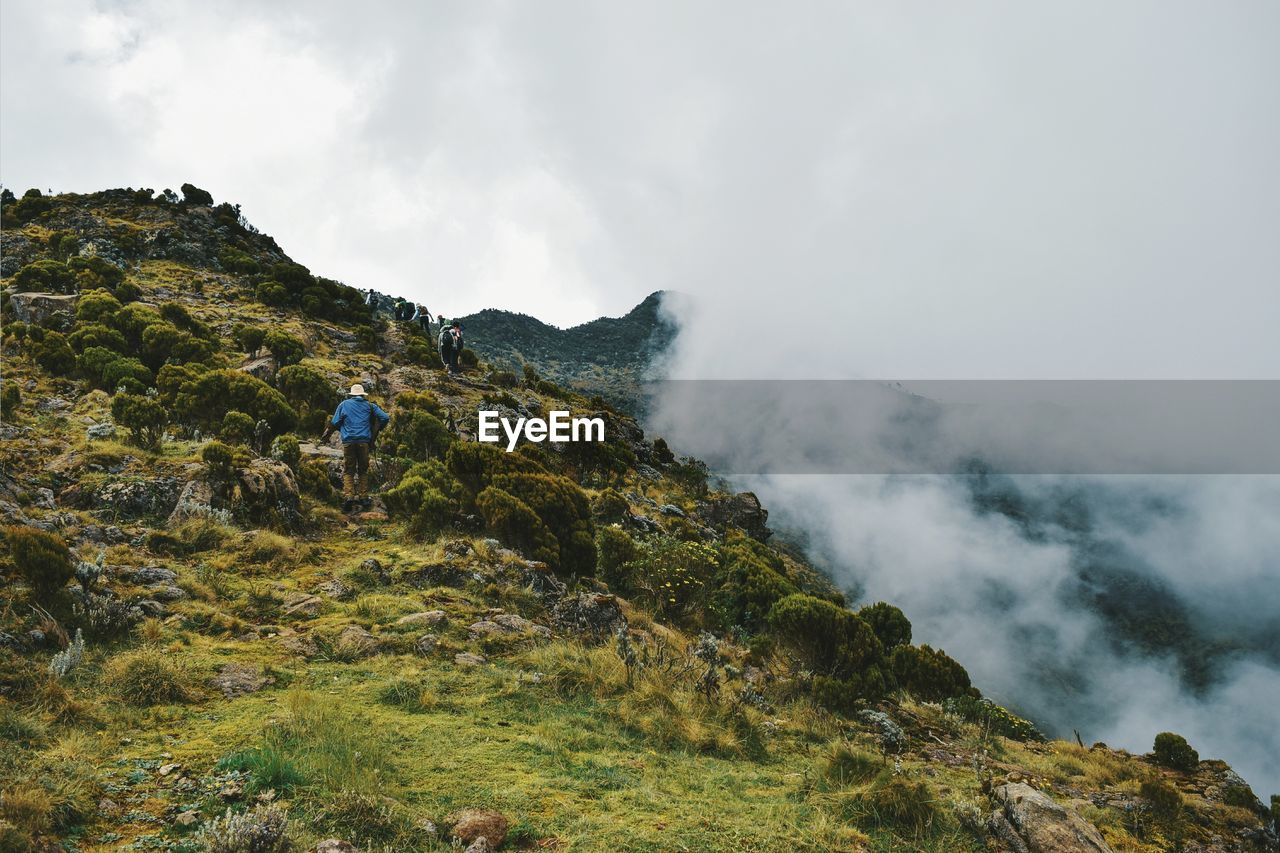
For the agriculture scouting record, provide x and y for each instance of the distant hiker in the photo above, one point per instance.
(450, 344)
(370, 299)
(423, 316)
(397, 310)
(357, 421)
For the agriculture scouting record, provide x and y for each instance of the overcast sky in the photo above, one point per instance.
(923, 190)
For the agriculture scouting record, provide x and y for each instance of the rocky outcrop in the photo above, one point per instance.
(237, 679)
(194, 501)
(126, 499)
(269, 492)
(593, 615)
(41, 308)
(739, 510)
(1029, 821)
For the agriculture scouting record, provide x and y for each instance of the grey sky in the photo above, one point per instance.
(927, 190)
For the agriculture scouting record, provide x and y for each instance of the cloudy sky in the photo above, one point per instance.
(898, 190)
(927, 190)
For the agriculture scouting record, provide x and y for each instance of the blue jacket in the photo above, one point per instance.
(353, 417)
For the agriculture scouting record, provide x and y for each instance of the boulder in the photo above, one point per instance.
(356, 642)
(302, 604)
(264, 368)
(40, 308)
(470, 824)
(596, 616)
(426, 644)
(100, 431)
(469, 659)
(135, 498)
(334, 845)
(425, 619)
(194, 501)
(237, 679)
(740, 510)
(1042, 825)
(269, 492)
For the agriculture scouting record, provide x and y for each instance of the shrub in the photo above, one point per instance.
(662, 453)
(928, 674)
(146, 677)
(97, 335)
(564, 510)
(1162, 799)
(10, 399)
(1172, 750)
(41, 558)
(749, 584)
(144, 416)
(614, 549)
(1000, 720)
(847, 765)
(237, 428)
(203, 397)
(310, 392)
(44, 276)
(672, 576)
(233, 260)
(286, 449)
(109, 370)
(97, 305)
(420, 498)
(95, 272)
(826, 637)
(54, 354)
(516, 524)
(268, 767)
(249, 338)
(272, 293)
(890, 624)
(191, 194)
(285, 348)
(610, 506)
(262, 830)
(418, 430)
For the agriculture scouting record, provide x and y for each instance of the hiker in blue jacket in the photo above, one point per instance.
(357, 421)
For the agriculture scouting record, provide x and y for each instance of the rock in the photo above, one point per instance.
(194, 501)
(187, 819)
(302, 604)
(480, 845)
(137, 498)
(376, 569)
(672, 509)
(167, 593)
(469, 659)
(457, 549)
(269, 492)
(166, 769)
(334, 845)
(426, 644)
(1042, 825)
(97, 432)
(485, 628)
(740, 510)
(44, 499)
(151, 607)
(425, 619)
(299, 644)
(333, 588)
(40, 308)
(356, 641)
(264, 368)
(238, 679)
(470, 824)
(147, 575)
(596, 616)
(323, 451)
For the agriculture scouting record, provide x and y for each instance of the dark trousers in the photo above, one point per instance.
(355, 469)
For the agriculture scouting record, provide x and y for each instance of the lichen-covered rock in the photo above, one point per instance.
(738, 510)
(41, 308)
(128, 499)
(269, 493)
(427, 619)
(470, 824)
(237, 679)
(194, 501)
(355, 641)
(593, 615)
(1042, 825)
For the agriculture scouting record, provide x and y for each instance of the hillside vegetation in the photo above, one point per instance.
(568, 647)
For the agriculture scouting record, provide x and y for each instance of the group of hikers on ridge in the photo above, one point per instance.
(358, 421)
(449, 342)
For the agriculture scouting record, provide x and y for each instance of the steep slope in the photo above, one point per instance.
(567, 647)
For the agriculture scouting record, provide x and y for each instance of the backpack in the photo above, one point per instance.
(446, 339)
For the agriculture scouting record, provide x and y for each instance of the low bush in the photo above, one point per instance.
(148, 676)
(1172, 750)
(262, 830)
(928, 674)
(144, 416)
(41, 558)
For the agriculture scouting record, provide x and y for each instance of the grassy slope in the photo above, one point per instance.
(577, 760)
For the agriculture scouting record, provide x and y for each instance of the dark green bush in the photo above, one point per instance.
(285, 348)
(145, 418)
(95, 272)
(54, 354)
(287, 450)
(1172, 750)
(614, 549)
(96, 335)
(565, 511)
(749, 583)
(421, 497)
(44, 276)
(272, 293)
(928, 673)
(237, 428)
(191, 194)
(609, 506)
(110, 370)
(662, 453)
(310, 392)
(515, 523)
(1162, 799)
(10, 399)
(890, 624)
(249, 338)
(418, 430)
(828, 639)
(97, 305)
(233, 260)
(202, 397)
(41, 558)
